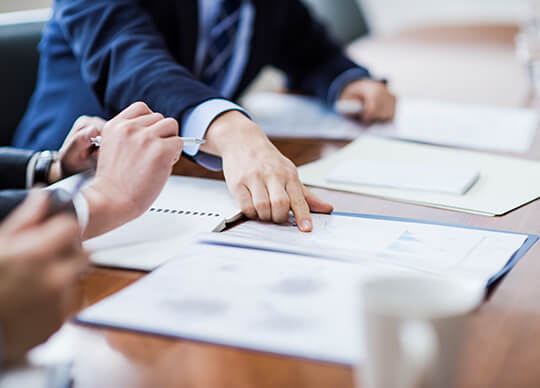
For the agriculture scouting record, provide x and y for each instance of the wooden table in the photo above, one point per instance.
(503, 337)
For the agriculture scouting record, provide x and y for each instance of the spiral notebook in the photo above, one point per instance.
(185, 208)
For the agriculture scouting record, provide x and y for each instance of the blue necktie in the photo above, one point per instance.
(221, 45)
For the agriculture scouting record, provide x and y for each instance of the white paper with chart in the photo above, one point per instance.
(296, 304)
(471, 254)
(278, 303)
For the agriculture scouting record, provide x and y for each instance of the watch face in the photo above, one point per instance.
(43, 165)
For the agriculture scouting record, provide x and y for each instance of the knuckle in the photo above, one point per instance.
(140, 107)
(290, 173)
(172, 124)
(251, 175)
(131, 129)
(158, 115)
(127, 128)
(289, 166)
(81, 121)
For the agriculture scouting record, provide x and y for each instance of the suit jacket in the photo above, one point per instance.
(98, 56)
(12, 176)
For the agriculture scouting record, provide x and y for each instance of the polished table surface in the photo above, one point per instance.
(468, 64)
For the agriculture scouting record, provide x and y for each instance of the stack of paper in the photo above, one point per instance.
(505, 183)
(480, 127)
(297, 293)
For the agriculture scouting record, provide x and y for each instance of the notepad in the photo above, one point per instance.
(185, 208)
(405, 175)
(505, 183)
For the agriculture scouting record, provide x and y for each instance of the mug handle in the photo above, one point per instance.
(418, 353)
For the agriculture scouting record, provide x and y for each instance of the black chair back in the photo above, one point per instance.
(19, 60)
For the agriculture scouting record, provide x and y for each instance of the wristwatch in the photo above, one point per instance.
(43, 165)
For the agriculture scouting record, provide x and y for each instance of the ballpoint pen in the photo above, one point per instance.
(188, 141)
(61, 200)
(349, 107)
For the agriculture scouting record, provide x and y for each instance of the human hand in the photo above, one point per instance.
(138, 151)
(77, 153)
(40, 260)
(263, 181)
(379, 103)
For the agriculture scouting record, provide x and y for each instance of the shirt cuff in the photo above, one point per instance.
(196, 122)
(82, 211)
(30, 168)
(344, 79)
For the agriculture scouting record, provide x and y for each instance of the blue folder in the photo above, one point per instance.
(529, 242)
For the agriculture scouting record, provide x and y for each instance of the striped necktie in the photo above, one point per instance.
(221, 44)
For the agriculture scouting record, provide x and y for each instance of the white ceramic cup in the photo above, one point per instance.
(412, 329)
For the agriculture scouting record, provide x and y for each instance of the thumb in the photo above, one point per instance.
(317, 205)
(31, 212)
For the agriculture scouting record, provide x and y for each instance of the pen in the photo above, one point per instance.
(188, 141)
(349, 107)
(61, 200)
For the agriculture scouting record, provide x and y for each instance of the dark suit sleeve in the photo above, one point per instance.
(9, 200)
(124, 58)
(13, 164)
(308, 55)
(59, 201)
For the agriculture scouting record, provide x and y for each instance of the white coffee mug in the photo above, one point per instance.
(412, 329)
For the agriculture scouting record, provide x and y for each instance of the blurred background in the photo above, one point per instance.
(351, 18)
(426, 48)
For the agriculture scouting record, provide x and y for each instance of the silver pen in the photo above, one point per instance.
(62, 200)
(349, 107)
(188, 141)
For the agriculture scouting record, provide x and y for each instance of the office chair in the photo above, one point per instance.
(18, 73)
(344, 18)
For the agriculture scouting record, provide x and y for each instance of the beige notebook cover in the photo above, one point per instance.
(505, 183)
(185, 208)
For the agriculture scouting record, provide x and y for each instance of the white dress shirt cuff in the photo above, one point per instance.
(196, 122)
(82, 210)
(343, 80)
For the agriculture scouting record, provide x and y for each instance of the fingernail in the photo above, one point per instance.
(306, 225)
